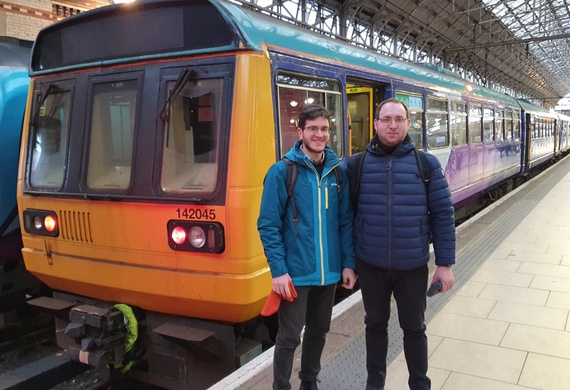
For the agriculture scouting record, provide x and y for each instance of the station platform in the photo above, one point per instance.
(504, 326)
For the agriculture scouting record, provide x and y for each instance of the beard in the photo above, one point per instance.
(308, 148)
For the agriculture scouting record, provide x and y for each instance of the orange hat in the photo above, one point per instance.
(274, 300)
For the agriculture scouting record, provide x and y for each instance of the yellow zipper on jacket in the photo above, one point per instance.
(319, 181)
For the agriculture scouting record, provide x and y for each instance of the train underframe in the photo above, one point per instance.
(169, 351)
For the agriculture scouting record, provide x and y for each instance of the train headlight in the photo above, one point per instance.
(197, 237)
(41, 222)
(194, 236)
(38, 223)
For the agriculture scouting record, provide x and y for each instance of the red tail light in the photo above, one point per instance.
(196, 236)
(41, 222)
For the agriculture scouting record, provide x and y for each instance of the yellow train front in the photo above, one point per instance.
(150, 130)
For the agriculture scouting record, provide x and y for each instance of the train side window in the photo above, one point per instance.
(111, 136)
(415, 103)
(516, 125)
(508, 126)
(475, 125)
(191, 142)
(458, 124)
(549, 127)
(50, 135)
(296, 91)
(499, 126)
(437, 123)
(488, 122)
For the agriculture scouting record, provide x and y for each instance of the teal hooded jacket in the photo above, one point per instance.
(316, 249)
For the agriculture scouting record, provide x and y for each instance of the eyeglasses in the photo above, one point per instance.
(315, 129)
(387, 121)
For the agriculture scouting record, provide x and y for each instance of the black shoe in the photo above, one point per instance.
(309, 385)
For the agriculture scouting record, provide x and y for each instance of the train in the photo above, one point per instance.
(15, 282)
(151, 127)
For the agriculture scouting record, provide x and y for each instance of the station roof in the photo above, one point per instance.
(521, 45)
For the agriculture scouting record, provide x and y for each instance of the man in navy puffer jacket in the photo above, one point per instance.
(396, 217)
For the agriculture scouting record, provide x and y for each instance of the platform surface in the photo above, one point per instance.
(505, 325)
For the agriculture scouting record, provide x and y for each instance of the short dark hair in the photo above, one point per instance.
(392, 100)
(312, 111)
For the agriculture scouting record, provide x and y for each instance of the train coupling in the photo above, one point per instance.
(99, 335)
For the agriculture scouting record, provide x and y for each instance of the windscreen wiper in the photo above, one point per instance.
(41, 102)
(184, 77)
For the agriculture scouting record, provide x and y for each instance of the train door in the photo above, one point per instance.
(360, 117)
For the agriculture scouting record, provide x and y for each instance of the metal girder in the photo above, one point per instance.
(469, 36)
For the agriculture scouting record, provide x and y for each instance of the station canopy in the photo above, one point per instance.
(518, 47)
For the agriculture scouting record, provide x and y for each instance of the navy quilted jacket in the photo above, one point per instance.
(397, 215)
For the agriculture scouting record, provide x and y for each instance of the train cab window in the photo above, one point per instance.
(488, 122)
(475, 125)
(50, 133)
(437, 123)
(458, 125)
(111, 136)
(191, 142)
(416, 105)
(499, 126)
(296, 91)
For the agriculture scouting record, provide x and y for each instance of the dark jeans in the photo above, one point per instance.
(313, 309)
(409, 289)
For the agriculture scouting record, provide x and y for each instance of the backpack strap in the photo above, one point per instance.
(423, 166)
(292, 173)
(354, 189)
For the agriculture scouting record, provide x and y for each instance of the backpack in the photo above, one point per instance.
(292, 173)
(423, 172)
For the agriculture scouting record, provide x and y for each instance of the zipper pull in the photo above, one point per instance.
(389, 165)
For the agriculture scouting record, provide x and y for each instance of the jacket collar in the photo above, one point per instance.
(376, 147)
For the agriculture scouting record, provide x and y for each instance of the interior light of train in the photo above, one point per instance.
(41, 222)
(196, 236)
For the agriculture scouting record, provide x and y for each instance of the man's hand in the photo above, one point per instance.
(348, 278)
(445, 276)
(281, 286)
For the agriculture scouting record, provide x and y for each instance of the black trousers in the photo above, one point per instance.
(409, 289)
(313, 309)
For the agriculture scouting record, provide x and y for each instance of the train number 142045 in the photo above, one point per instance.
(208, 214)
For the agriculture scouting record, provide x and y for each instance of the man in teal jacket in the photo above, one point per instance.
(313, 252)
